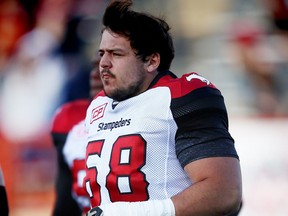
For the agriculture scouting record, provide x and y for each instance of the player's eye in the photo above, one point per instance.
(117, 54)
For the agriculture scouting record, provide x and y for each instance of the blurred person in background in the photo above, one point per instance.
(31, 88)
(82, 33)
(277, 16)
(277, 13)
(256, 58)
(14, 23)
(34, 77)
(54, 52)
(69, 139)
(4, 208)
(37, 77)
(260, 48)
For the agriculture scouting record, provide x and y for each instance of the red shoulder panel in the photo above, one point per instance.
(68, 115)
(185, 84)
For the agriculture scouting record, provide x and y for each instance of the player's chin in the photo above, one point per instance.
(109, 90)
(108, 82)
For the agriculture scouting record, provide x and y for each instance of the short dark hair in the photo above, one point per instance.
(147, 34)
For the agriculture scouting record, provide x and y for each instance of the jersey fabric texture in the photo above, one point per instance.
(137, 148)
(65, 118)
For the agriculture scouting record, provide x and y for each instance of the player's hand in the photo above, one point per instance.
(95, 212)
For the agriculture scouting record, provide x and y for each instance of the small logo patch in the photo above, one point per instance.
(98, 112)
(195, 76)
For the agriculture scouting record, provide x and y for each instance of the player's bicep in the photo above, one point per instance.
(219, 167)
(222, 173)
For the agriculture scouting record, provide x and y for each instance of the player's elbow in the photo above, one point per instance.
(232, 203)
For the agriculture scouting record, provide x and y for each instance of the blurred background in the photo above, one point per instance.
(241, 46)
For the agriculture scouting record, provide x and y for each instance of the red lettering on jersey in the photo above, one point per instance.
(98, 112)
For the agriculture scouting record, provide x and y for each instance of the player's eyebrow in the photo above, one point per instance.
(112, 50)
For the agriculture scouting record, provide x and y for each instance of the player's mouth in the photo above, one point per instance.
(106, 74)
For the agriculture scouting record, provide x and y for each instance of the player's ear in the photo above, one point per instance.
(153, 62)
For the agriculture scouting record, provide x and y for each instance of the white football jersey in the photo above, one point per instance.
(137, 148)
(132, 149)
(74, 154)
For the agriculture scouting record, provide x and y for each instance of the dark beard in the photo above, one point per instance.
(123, 94)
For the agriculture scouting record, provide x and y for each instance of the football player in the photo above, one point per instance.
(157, 144)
